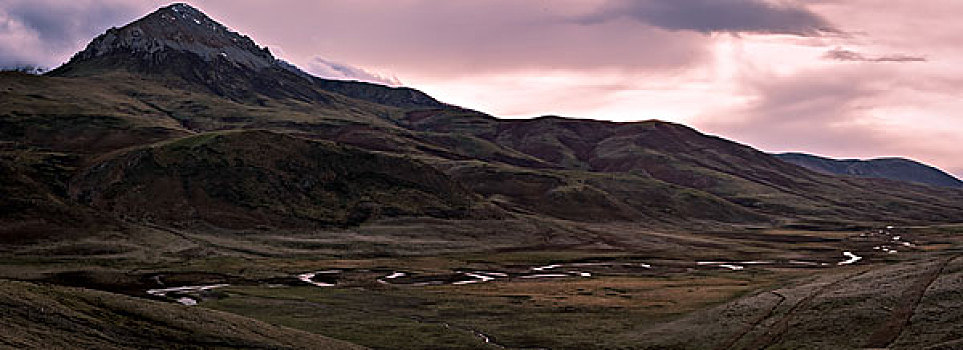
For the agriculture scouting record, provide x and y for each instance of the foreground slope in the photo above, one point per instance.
(912, 305)
(52, 317)
(884, 168)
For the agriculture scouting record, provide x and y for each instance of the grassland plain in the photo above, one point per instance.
(905, 300)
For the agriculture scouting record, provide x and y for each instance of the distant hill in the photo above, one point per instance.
(883, 168)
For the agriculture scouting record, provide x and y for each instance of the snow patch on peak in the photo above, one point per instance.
(180, 6)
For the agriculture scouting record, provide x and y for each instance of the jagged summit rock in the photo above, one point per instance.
(179, 28)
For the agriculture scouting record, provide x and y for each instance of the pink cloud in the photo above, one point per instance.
(448, 38)
(845, 112)
(323, 68)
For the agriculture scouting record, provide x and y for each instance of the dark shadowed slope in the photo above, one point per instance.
(884, 168)
(245, 178)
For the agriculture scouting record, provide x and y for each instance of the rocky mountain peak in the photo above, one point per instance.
(178, 28)
(181, 42)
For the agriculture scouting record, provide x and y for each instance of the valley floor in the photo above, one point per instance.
(896, 287)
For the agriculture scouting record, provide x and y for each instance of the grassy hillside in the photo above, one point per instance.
(34, 201)
(40, 316)
(245, 178)
(709, 165)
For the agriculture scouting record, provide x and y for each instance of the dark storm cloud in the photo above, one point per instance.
(42, 32)
(57, 25)
(840, 54)
(718, 16)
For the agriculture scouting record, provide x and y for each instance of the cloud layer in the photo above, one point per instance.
(841, 54)
(714, 16)
(333, 70)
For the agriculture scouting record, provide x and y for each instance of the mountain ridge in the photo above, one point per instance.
(143, 91)
(893, 168)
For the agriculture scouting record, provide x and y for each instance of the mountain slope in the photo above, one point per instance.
(245, 178)
(883, 168)
(681, 156)
(33, 198)
(123, 110)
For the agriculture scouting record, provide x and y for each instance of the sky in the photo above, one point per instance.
(838, 78)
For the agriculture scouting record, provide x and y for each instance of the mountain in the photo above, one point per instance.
(883, 168)
(181, 42)
(213, 130)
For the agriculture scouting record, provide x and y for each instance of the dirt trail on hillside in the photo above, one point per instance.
(901, 314)
(782, 325)
(754, 323)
